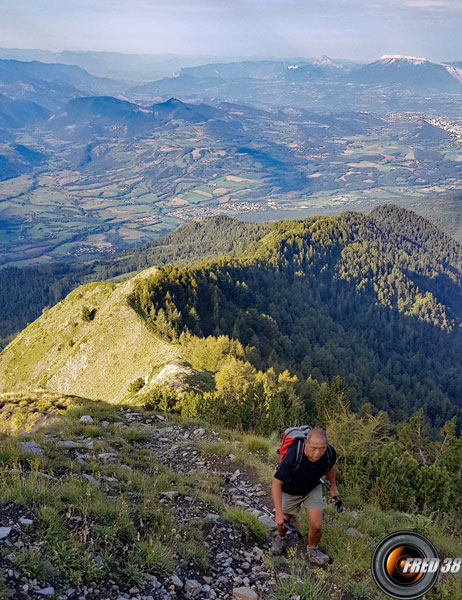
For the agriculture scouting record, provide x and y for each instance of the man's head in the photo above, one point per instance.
(315, 444)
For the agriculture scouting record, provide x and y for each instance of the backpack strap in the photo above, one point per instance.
(299, 453)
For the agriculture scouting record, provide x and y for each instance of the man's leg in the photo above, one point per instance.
(315, 531)
(290, 506)
(314, 507)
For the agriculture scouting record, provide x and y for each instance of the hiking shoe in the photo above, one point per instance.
(279, 545)
(291, 540)
(317, 557)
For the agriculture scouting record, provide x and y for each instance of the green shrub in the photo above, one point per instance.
(88, 314)
(136, 386)
(395, 478)
(30, 563)
(159, 399)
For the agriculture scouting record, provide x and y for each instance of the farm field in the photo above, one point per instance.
(104, 194)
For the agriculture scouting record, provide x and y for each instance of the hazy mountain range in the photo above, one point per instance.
(261, 139)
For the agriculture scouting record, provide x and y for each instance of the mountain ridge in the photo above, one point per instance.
(319, 296)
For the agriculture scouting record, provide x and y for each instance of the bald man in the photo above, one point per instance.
(294, 487)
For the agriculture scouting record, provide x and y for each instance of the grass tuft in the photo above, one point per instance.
(249, 522)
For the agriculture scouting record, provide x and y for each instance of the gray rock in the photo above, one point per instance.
(48, 591)
(244, 593)
(25, 521)
(50, 568)
(86, 419)
(268, 521)
(192, 587)
(164, 430)
(71, 444)
(126, 468)
(107, 455)
(212, 516)
(32, 447)
(353, 531)
(160, 417)
(4, 532)
(176, 581)
(90, 479)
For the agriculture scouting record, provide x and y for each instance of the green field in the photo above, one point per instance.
(134, 190)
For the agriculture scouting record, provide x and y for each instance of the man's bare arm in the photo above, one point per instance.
(331, 477)
(276, 493)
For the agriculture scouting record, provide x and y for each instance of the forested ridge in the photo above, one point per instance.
(375, 299)
(24, 292)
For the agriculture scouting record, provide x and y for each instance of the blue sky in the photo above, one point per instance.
(356, 29)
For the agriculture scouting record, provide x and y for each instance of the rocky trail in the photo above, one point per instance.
(237, 565)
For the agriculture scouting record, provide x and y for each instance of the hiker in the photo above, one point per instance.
(293, 487)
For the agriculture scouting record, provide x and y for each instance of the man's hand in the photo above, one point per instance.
(279, 518)
(333, 492)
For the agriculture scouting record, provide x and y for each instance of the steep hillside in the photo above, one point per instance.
(20, 113)
(24, 292)
(98, 357)
(375, 299)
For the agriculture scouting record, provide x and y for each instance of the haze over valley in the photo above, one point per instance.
(91, 165)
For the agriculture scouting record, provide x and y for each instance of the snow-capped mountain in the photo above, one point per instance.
(411, 72)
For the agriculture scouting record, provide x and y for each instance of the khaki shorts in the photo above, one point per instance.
(291, 504)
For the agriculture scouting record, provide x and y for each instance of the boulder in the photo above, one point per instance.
(244, 593)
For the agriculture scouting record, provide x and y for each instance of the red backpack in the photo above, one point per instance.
(297, 436)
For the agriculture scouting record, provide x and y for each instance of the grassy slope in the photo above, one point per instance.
(98, 359)
(52, 504)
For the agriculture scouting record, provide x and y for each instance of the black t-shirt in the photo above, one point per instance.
(306, 477)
